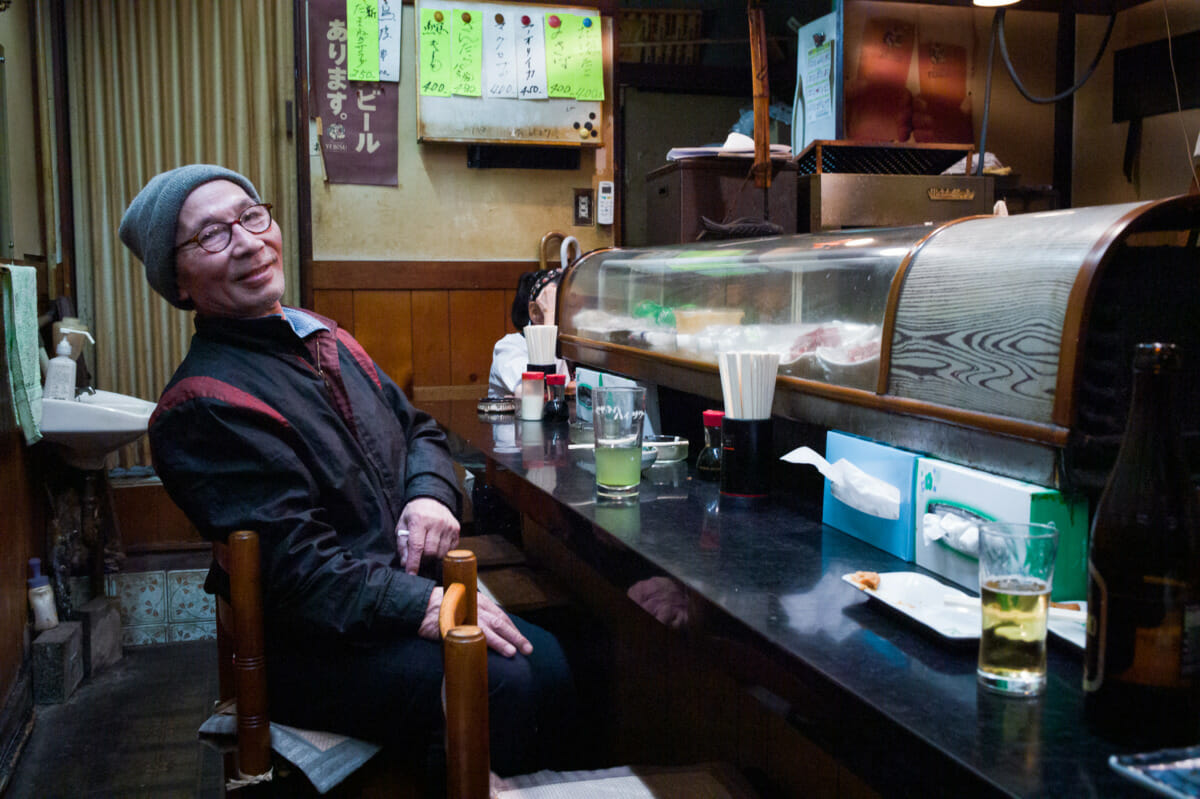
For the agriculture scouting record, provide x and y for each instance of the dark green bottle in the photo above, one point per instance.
(1142, 665)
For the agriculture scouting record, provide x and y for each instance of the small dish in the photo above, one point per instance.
(951, 613)
(669, 448)
(924, 600)
(497, 405)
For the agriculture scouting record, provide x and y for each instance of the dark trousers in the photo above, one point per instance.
(390, 692)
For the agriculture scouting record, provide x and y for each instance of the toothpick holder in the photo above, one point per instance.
(746, 461)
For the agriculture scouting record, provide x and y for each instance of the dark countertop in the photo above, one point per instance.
(897, 703)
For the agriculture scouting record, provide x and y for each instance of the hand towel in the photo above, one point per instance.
(18, 294)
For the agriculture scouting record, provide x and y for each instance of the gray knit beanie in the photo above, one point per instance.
(148, 226)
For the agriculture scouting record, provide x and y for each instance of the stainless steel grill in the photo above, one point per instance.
(879, 159)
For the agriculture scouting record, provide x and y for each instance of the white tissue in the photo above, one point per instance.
(960, 534)
(851, 485)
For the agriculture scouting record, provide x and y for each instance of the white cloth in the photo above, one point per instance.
(510, 356)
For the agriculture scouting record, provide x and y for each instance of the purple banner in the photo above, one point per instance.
(357, 120)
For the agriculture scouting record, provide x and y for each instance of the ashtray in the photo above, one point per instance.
(669, 448)
(497, 405)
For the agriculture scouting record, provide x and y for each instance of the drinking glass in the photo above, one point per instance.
(1016, 573)
(617, 415)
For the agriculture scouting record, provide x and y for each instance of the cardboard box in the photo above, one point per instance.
(991, 497)
(892, 465)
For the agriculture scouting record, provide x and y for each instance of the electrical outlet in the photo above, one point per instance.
(584, 208)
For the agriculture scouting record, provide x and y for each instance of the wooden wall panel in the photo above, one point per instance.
(149, 521)
(477, 320)
(431, 336)
(337, 304)
(509, 296)
(22, 532)
(383, 325)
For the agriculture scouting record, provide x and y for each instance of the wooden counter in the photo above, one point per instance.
(892, 702)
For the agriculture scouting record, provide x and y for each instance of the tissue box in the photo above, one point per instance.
(1000, 499)
(889, 464)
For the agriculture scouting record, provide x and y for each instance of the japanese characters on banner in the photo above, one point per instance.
(509, 52)
(354, 63)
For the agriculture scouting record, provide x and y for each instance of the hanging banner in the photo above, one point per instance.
(356, 120)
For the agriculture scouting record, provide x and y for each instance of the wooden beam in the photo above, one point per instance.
(418, 275)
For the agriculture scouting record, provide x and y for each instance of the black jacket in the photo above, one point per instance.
(310, 444)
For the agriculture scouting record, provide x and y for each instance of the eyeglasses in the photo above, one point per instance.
(215, 237)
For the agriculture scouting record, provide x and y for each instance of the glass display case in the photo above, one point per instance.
(998, 342)
(819, 301)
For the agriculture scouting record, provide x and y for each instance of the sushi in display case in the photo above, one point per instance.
(1003, 343)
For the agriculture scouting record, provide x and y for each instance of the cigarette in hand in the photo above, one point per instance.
(402, 545)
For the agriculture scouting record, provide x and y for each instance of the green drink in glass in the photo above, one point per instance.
(617, 415)
(618, 467)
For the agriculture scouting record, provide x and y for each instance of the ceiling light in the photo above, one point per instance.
(995, 3)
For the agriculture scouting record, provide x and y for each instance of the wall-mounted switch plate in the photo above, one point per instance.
(584, 208)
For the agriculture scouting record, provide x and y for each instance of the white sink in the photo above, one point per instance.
(86, 430)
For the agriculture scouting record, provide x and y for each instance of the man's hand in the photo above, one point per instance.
(432, 531)
(498, 630)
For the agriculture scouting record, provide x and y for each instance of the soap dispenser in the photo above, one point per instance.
(60, 376)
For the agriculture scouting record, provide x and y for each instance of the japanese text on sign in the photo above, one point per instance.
(513, 54)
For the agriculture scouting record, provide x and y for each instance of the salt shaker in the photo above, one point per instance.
(533, 396)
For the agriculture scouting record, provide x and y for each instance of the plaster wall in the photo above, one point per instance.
(444, 211)
(1168, 140)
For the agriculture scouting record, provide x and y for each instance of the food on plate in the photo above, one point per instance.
(867, 581)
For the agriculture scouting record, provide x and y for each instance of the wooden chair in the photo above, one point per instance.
(241, 656)
(465, 655)
(243, 676)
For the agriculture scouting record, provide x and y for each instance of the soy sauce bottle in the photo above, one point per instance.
(708, 462)
(1142, 664)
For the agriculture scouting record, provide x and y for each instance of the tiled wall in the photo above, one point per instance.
(160, 607)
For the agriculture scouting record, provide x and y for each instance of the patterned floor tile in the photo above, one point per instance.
(142, 598)
(187, 601)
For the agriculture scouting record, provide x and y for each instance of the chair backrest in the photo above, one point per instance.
(241, 651)
(464, 652)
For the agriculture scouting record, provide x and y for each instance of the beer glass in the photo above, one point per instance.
(1016, 572)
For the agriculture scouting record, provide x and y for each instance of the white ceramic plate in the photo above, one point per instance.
(1073, 632)
(949, 612)
(924, 599)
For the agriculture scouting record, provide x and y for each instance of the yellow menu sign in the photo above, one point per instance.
(574, 62)
(362, 39)
(467, 53)
(436, 70)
